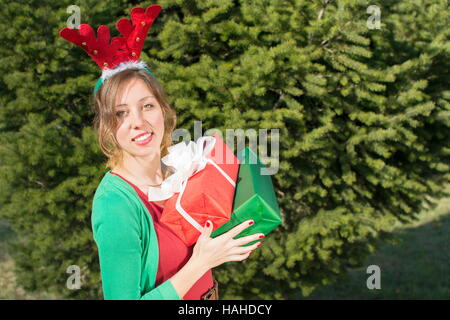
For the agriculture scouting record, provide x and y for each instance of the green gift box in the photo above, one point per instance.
(254, 199)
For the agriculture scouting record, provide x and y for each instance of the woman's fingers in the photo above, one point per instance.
(237, 229)
(207, 230)
(243, 250)
(214, 252)
(244, 240)
(239, 257)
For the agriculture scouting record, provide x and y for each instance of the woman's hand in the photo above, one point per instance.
(213, 252)
(209, 253)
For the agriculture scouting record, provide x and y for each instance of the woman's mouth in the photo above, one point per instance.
(144, 139)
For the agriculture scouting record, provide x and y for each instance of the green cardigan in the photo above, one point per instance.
(127, 244)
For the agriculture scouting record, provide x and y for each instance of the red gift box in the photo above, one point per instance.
(206, 195)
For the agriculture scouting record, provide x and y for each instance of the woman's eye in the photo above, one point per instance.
(120, 113)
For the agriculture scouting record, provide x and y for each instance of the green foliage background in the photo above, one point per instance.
(363, 117)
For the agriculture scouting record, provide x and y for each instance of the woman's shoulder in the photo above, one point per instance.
(114, 196)
(109, 184)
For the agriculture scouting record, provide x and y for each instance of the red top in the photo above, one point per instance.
(173, 253)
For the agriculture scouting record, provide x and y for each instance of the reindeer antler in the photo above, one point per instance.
(121, 49)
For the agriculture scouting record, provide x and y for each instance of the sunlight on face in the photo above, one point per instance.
(139, 115)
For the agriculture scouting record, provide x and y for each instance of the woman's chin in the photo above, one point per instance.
(149, 152)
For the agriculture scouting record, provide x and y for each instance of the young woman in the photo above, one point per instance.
(139, 257)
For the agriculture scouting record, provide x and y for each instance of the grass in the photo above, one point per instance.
(416, 267)
(9, 290)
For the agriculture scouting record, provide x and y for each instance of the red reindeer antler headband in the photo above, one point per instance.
(122, 52)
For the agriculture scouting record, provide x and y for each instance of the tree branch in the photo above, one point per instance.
(326, 2)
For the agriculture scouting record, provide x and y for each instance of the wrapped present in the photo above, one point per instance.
(200, 189)
(254, 199)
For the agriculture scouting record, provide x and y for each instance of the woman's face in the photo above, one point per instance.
(141, 122)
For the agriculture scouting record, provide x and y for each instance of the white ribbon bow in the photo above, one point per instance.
(187, 160)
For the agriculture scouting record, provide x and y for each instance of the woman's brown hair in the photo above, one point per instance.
(106, 122)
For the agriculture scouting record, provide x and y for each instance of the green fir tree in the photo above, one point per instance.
(363, 116)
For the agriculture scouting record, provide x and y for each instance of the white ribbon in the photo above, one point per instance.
(187, 160)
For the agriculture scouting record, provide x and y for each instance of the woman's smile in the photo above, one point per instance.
(143, 139)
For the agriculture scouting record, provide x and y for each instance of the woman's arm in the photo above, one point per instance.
(117, 234)
(209, 253)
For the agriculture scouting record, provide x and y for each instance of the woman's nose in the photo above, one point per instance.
(137, 119)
